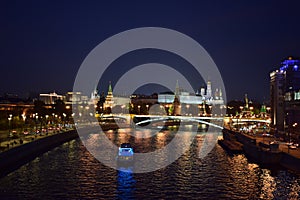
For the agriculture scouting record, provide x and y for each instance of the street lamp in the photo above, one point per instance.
(24, 119)
(187, 109)
(241, 108)
(47, 116)
(9, 124)
(139, 107)
(64, 119)
(36, 121)
(53, 118)
(294, 127)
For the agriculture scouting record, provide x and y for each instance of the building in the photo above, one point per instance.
(196, 99)
(50, 98)
(285, 96)
(73, 97)
(277, 94)
(182, 102)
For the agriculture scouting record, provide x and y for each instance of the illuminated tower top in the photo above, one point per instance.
(177, 90)
(208, 90)
(246, 102)
(109, 98)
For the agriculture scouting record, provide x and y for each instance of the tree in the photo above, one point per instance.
(39, 107)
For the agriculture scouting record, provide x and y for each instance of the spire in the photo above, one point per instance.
(246, 102)
(263, 108)
(177, 89)
(109, 103)
(109, 87)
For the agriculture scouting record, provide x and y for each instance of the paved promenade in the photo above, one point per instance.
(11, 142)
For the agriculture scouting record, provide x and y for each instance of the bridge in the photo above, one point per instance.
(216, 121)
(156, 118)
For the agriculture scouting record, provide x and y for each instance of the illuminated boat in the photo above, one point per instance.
(125, 153)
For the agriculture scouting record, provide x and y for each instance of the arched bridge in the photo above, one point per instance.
(208, 120)
(211, 121)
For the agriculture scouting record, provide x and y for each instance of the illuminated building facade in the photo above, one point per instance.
(51, 98)
(185, 103)
(204, 97)
(285, 96)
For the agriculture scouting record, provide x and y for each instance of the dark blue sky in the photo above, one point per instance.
(43, 43)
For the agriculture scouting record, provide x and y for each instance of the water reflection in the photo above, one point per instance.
(71, 172)
(126, 183)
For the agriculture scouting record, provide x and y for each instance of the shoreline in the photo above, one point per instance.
(14, 158)
(260, 152)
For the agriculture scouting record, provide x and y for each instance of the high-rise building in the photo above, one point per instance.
(285, 96)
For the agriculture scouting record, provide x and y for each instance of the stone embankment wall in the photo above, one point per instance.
(18, 156)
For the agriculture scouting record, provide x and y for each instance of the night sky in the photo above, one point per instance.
(43, 43)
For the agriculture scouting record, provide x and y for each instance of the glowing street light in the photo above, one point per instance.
(24, 119)
(295, 124)
(36, 121)
(47, 116)
(9, 123)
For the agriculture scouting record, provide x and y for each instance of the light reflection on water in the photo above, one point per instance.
(71, 172)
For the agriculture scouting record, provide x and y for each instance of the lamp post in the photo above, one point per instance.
(47, 116)
(36, 122)
(294, 127)
(9, 124)
(24, 119)
(139, 107)
(64, 120)
(187, 109)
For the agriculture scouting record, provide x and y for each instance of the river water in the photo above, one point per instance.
(71, 172)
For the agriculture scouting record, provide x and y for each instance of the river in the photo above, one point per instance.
(69, 171)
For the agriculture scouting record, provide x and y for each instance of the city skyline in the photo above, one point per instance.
(149, 99)
(42, 51)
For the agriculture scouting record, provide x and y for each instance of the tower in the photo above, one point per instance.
(217, 94)
(208, 90)
(95, 97)
(109, 103)
(202, 91)
(246, 102)
(176, 102)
